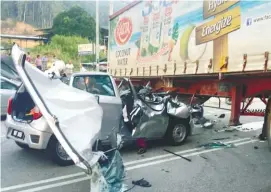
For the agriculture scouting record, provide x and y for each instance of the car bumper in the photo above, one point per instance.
(34, 138)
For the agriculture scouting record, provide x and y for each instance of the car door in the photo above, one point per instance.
(108, 96)
(7, 90)
(74, 116)
(112, 112)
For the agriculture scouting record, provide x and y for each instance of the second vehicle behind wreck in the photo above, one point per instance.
(150, 116)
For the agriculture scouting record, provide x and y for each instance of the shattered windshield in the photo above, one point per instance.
(95, 84)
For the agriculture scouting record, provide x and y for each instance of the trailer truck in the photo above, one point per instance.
(196, 48)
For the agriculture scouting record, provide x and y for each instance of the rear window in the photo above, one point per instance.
(95, 84)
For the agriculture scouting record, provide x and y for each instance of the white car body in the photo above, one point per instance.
(69, 122)
(40, 128)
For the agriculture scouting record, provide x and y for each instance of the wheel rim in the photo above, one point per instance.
(61, 152)
(179, 133)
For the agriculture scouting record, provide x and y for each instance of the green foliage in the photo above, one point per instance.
(40, 14)
(75, 21)
(65, 48)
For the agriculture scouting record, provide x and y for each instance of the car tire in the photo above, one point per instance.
(267, 122)
(177, 131)
(22, 145)
(58, 154)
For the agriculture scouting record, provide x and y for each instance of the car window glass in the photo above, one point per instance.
(95, 84)
(7, 85)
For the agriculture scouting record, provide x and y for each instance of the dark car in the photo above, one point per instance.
(8, 69)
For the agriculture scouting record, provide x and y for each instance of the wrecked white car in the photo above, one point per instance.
(74, 116)
(27, 126)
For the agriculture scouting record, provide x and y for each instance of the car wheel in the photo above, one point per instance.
(22, 145)
(58, 154)
(177, 132)
(268, 123)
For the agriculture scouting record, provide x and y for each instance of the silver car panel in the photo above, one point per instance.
(111, 106)
(151, 123)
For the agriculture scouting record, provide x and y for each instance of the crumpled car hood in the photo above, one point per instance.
(73, 115)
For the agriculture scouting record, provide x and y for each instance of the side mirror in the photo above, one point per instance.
(97, 98)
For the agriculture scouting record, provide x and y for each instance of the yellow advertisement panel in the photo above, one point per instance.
(221, 25)
(211, 8)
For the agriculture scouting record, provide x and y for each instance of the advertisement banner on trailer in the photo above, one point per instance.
(155, 33)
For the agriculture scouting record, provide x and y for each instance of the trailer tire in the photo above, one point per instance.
(267, 122)
(177, 131)
(54, 152)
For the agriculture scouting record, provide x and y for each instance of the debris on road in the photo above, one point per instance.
(256, 147)
(222, 115)
(141, 151)
(165, 170)
(208, 124)
(214, 145)
(222, 138)
(231, 129)
(142, 183)
(178, 155)
(253, 126)
(203, 157)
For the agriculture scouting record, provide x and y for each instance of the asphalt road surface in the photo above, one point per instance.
(239, 169)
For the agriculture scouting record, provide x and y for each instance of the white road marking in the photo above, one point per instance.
(178, 152)
(128, 169)
(42, 181)
(56, 184)
(126, 164)
(188, 155)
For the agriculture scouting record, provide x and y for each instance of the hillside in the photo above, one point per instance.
(12, 27)
(40, 14)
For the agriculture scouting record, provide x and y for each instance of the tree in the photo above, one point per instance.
(75, 21)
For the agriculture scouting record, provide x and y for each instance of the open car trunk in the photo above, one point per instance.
(22, 104)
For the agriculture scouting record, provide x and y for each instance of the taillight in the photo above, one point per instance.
(35, 112)
(9, 108)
